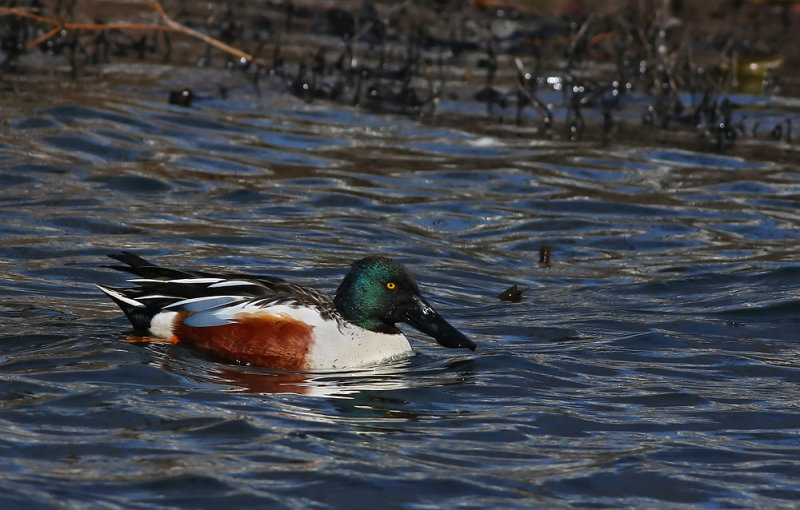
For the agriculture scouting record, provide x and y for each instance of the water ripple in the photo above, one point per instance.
(652, 361)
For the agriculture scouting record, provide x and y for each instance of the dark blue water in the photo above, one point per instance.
(653, 363)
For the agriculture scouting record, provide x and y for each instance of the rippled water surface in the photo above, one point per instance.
(652, 363)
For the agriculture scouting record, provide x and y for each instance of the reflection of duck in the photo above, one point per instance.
(248, 380)
(338, 384)
(269, 322)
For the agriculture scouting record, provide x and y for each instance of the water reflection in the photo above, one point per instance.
(390, 376)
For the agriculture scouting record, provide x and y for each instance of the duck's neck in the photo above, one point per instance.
(359, 314)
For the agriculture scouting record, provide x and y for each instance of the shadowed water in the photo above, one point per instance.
(653, 362)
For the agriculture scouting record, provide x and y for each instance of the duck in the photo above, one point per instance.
(269, 322)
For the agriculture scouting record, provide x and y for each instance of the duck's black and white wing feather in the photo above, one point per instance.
(212, 299)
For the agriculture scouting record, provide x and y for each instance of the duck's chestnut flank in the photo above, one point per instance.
(260, 339)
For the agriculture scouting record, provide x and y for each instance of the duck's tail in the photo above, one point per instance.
(137, 312)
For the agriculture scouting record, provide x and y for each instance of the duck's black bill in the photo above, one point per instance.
(426, 319)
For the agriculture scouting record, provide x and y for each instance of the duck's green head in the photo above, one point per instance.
(379, 292)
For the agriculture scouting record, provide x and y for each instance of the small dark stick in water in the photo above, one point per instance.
(544, 255)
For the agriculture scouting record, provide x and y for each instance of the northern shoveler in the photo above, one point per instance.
(269, 322)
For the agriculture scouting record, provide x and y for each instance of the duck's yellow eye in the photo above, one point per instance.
(391, 285)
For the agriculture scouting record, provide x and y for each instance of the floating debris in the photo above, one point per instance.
(513, 294)
(181, 97)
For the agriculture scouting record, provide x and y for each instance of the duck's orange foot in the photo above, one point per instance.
(151, 340)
